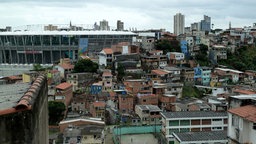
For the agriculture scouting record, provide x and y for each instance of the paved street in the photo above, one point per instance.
(108, 135)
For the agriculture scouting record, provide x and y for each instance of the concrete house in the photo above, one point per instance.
(98, 109)
(64, 93)
(242, 124)
(106, 57)
(107, 83)
(80, 80)
(149, 114)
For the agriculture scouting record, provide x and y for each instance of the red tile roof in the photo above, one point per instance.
(98, 83)
(108, 50)
(112, 94)
(155, 51)
(54, 71)
(99, 104)
(85, 57)
(106, 73)
(247, 112)
(67, 66)
(14, 78)
(247, 92)
(63, 86)
(159, 72)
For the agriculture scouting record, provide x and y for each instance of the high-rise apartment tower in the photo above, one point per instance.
(179, 24)
(120, 25)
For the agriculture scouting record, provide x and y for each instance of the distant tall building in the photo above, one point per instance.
(120, 25)
(206, 23)
(179, 24)
(7, 29)
(96, 27)
(196, 26)
(50, 27)
(104, 25)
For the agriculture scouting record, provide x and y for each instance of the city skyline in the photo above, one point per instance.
(135, 14)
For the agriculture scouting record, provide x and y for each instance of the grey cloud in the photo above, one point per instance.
(152, 13)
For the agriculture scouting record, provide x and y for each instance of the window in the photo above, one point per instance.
(216, 128)
(184, 130)
(254, 126)
(216, 119)
(235, 120)
(184, 122)
(174, 123)
(173, 130)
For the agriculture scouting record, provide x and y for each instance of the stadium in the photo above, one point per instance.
(47, 47)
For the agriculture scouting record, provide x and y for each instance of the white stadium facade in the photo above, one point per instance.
(47, 47)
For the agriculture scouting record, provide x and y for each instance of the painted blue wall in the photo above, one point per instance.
(184, 47)
(96, 89)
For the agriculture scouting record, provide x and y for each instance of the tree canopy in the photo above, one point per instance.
(85, 65)
(120, 72)
(56, 111)
(243, 59)
(38, 67)
(168, 45)
(202, 56)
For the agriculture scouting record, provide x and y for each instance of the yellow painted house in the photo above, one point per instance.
(29, 77)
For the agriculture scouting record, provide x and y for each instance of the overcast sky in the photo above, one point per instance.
(140, 14)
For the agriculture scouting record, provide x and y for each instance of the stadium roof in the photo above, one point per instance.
(68, 33)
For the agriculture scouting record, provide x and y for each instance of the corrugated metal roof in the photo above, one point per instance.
(203, 136)
(193, 114)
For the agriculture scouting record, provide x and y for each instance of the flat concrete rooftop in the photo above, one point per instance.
(10, 94)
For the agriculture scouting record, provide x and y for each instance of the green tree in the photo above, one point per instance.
(202, 56)
(191, 91)
(242, 59)
(85, 65)
(56, 111)
(38, 67)
(120, 72)
(203, 48)
(168, 45)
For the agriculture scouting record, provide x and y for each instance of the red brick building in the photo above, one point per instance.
(135, 86)
(98, 109)
(125, 103)
(64, 93)
(165, 102)
(147, 99)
